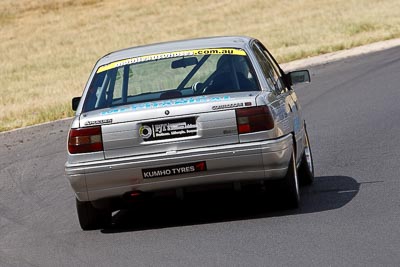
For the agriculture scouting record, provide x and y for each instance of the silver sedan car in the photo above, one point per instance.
(176, 115)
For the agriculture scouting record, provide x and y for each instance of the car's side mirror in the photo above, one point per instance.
(75, 103)
(299, 76)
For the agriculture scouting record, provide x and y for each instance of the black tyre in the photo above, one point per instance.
(291, 185)
(306, 168)
(91, 218)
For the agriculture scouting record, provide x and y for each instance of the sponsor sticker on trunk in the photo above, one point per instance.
(174, 170)
(168, 129)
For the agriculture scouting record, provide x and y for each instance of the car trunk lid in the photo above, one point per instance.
(170, 125)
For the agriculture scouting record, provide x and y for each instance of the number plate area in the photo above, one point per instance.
(160, 130)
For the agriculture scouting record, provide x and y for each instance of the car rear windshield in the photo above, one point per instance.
(170, 75)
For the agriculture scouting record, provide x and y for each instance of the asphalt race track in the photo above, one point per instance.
(349, 217)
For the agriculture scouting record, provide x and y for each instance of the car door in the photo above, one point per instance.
(286, 96)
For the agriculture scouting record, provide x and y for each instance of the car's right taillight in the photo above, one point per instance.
(85, 140)
(254, 119)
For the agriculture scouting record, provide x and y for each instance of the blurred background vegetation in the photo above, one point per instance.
(48, 47)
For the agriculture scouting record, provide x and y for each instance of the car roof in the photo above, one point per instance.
(208, 42)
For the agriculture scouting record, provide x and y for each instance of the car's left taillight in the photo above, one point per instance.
(254, 119)
(85, 140)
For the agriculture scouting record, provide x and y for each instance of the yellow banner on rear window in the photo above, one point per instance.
(196, 52)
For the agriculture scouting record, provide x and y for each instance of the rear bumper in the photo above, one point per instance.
(262, 160)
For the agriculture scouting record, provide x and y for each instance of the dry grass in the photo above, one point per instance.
(48, 47)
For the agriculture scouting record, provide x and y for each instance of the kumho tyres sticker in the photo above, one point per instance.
(196, 52)
(174, 170)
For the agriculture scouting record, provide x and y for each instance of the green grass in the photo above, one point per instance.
(48, 47)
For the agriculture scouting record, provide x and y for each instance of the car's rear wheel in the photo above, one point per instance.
(306, 168)
(291, 190)
(91, 218)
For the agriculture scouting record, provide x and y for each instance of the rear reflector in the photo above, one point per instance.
(254, 119)
(135, 193)
(85, 140)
